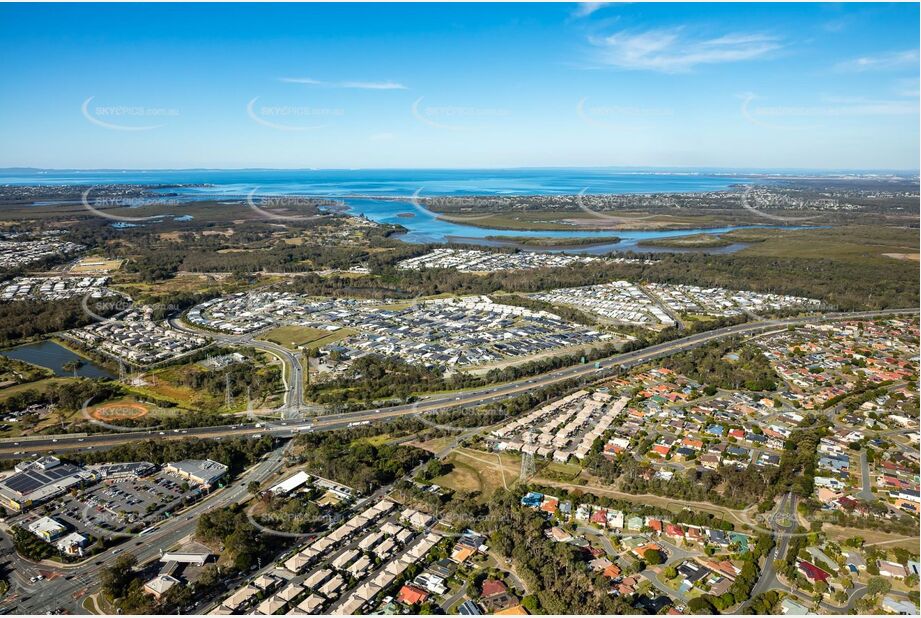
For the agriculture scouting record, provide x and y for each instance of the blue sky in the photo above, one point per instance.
(826, 86)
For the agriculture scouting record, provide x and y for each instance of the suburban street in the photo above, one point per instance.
(12, 448)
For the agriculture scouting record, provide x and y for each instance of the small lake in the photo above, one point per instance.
(53, 356)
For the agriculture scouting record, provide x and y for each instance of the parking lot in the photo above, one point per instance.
(117, 506)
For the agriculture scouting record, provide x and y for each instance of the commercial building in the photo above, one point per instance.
(204, 472)
(36, 481)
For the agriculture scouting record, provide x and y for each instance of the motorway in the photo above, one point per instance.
(68, 587)
(12, 448)
(70, 584)
(292, 374)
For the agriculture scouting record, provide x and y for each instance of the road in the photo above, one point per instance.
(293, 373)
(15, 448)
(68, 591)
(866, 488)
(61, 592)
(783, 524)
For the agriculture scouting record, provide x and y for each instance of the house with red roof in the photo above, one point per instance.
(410, 595)
(492, 587)
(812, 572)
(674, 531)
(600, 516)
(660, 450)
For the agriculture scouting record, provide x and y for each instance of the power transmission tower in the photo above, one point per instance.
(527, 467)
(228, 400)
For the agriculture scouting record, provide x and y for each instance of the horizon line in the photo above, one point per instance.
(762, 170)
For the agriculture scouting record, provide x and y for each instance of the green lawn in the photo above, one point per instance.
(293, 337)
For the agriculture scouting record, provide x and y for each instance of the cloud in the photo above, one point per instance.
(667, 51)
(907, 87)
(382, 137)
(881, 62)
(584, 9)
(829, 107)
(357, 85)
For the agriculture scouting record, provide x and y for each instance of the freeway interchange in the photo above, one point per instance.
(71, 583)
(12, 448)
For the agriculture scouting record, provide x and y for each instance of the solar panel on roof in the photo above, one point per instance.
(30, 480)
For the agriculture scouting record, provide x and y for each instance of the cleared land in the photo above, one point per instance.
(94, 265)
(294, 337)
(479, 471)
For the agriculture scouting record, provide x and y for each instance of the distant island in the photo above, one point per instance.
(692, 241)
(555, 243)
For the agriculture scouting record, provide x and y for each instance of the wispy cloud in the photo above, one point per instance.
(828, 107)
(881, 62)
(382, 137)
(584, 9)
(907, 87)
(668, 51)
(357, 85)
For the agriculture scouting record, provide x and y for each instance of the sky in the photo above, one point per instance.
(764, 86)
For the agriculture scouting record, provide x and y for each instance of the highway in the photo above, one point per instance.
(68, 589)
(292, 374)
(71, 584)
(14, 448)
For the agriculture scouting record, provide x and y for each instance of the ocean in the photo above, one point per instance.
(359, 188)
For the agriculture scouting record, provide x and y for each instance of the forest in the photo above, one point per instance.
(726, 364)
(357, 463)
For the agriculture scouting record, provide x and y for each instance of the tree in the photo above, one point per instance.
(654, 557)
(878, 585)
(702, 605)
(116, 579)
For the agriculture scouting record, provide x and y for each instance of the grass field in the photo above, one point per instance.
(560, 472)
(374, 440)
(38, 385)
(847, 243)
(95, 265)
(479, 471)
(293, 337)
